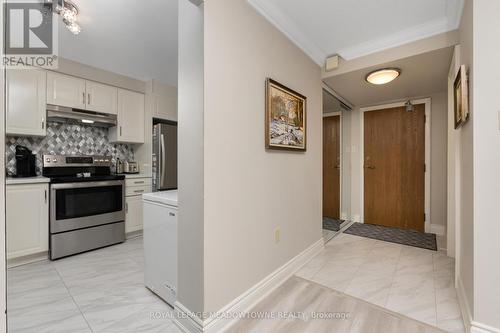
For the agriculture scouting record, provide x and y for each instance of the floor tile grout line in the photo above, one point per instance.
(394, 275)
(73, 299)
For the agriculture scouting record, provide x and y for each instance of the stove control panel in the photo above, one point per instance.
(77, 161)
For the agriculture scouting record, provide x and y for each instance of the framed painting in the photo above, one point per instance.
(285, 117)
(461, 97)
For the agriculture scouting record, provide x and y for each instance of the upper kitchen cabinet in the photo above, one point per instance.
(101, 97)
(130, 127)
(65, 90)
(163, 100)
(26, 102)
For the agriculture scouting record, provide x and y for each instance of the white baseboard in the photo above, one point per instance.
(482, 328)
(29, 259)
(246, 301)
(356, 218)
(133, 234)
(185, 320)
(437, 229)
(464, 305)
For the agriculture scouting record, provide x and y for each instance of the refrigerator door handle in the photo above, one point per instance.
(162, 160)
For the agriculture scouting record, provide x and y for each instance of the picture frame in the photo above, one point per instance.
(461, 97)
(286, 115)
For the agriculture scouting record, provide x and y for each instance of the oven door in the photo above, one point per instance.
(87, 204)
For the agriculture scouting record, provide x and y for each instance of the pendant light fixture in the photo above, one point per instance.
(69, 14)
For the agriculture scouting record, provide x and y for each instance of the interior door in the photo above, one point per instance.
(394, 167)
(331, 167)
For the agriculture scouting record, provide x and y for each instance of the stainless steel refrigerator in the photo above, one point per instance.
(164, 157)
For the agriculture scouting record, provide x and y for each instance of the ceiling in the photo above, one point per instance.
(355, 28)
(421, 75)
(130, 37)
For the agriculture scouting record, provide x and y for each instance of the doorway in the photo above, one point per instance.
(394, 166)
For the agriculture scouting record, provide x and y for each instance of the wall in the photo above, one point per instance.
(486, 155)
(190, 157)
(67, 139)
(438, 160)
(250, 191)
(465, 158)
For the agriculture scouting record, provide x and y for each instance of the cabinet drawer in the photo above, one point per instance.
(136, 190)
(137, 182)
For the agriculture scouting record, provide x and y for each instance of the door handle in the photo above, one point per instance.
(45, 196)
(371, 167)
(88, 98)
(337, 167)
(83, 94)
(43, 123)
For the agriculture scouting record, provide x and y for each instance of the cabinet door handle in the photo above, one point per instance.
(141, 182)
(43, 123)
(126, 208)
(83, 94)
(171, 214)
(45, 194)
(88, 98)
(120, 131)
(139, 191)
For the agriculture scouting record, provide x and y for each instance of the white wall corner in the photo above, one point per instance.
(437, 229)
(289, 29)
(246, 301)
(399, 38)
(356, 218)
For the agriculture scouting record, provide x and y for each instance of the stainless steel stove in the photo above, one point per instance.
(86, 204)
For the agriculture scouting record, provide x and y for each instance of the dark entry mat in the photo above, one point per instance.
(394, 235)
(331, 224)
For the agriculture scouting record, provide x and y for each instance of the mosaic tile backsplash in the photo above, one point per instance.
(67, 139)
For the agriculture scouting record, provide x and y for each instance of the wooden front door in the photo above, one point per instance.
(394, 167)
(331, 167)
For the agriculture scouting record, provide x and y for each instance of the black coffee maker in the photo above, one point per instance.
(25, 162)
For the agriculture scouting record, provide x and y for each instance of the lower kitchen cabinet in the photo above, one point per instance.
(134, 189)
(133, 213)
(27, 219)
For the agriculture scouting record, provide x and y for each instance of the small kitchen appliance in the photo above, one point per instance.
(130, 167)
(25, 162)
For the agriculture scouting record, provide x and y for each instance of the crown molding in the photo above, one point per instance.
(289, 29)
(451, 21)
(399, 38)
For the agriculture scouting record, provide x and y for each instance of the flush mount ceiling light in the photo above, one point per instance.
(69, 14)
(383, 76)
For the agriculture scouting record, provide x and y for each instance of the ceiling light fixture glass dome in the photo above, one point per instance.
(383, 76)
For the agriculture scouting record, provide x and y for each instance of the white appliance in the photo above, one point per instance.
(160, 244)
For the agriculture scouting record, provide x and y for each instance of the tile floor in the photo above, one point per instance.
(99, 291)
(415, 282)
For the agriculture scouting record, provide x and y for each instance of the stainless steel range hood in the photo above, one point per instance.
(63, 114)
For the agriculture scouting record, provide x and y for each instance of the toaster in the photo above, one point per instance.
(130, 167)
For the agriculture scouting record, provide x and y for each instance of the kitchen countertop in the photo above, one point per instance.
(162, 197)
(26, 180)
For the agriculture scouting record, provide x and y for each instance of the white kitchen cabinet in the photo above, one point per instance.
(130, 127)
(134, 188)
(101, 97)
(26, 102)
(27, 217)
(66, 90)
(165, 103)
(133, 213)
